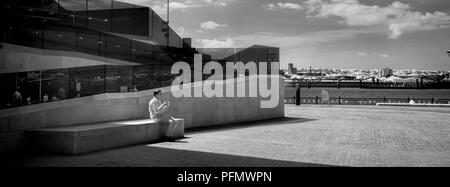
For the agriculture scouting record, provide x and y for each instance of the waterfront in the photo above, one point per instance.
(372, 93)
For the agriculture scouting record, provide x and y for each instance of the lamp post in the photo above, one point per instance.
(448, 53)
(168, 27)
(297, 94)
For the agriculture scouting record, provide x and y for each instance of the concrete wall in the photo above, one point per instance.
(197, 112)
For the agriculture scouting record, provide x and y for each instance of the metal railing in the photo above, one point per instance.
(364, 101)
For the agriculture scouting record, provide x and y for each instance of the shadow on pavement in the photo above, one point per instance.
(148, 156)
(270, 122)
(152, 156)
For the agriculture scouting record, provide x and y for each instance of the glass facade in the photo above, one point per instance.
(100, 15)
(96, 30)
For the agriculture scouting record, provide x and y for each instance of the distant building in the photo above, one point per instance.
(386, 72)
(291, 69)
(187, 42)
(290, 65)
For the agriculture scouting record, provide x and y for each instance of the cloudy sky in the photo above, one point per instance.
(366, 34)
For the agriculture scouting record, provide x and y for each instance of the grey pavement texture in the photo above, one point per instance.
(310, 135)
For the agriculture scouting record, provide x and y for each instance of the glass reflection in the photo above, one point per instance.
(102, 33)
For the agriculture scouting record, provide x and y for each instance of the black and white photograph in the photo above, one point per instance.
(225, 84)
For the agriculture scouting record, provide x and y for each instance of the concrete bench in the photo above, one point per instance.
(72, 140)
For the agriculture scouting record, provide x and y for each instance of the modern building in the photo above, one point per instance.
(386, 72)
(65, 63)
(59, 49)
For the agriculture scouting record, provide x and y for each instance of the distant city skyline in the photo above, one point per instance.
(367, 34)
(361, 69)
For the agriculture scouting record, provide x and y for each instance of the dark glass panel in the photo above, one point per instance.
(73, 12)
(55, 74)
(31, 89)
(70, 18)
(87, 81)
(9, 2)
(8, 85)
(54, 90)
(22, 80)
(161, 54)
(60, 38)
(123, 18)
(142, 22)
(55, 84)
(99, 15)
(155, 76)
(118, 48)
(274, 54)
(142, 77)
(25, 36)
(51, 5)
(118, 79)
(90, 42)
(8, 78)
(28, 3)
(142, 53)
(166, 77)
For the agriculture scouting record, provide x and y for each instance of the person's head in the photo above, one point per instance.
(157, 94)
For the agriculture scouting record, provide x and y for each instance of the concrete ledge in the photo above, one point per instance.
(413, 105)
(73, 140)
(16, 58)
(195, 112)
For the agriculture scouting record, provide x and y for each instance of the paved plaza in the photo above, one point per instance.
(310, 135)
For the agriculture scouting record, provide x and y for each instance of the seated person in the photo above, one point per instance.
(159, 111)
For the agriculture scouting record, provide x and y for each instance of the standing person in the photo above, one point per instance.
(134, 89)
(61, 93)
(17, 98)
(159, 111)
(29, 100)
(45, 98)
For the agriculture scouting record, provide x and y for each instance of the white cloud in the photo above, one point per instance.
(380, 55)
(384, 56)
(398, 18)
(160, 6)
(277, 6)
(178, 5)
(415, 21)
(362, 53)
(214, 43)
(215, 2)
(211, 25)
(293, 41)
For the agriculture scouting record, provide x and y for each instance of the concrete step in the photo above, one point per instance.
(72, 140)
